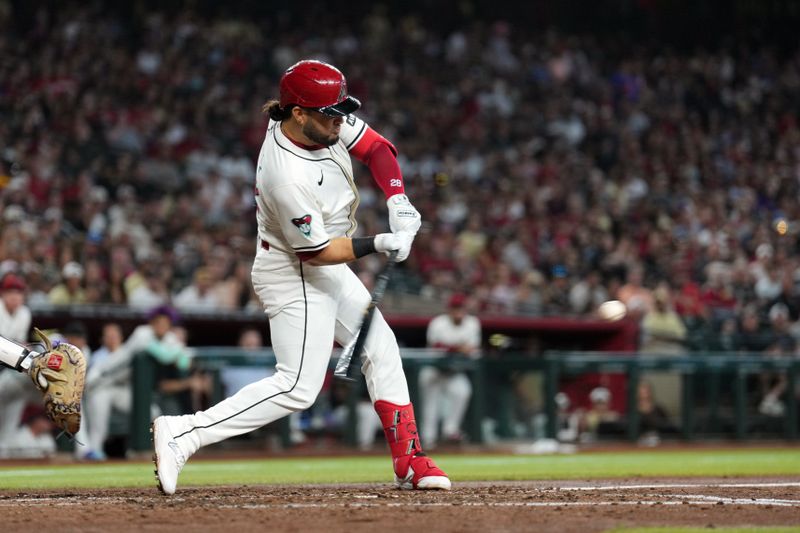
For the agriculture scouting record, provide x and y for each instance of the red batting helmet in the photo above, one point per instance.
(319, 86)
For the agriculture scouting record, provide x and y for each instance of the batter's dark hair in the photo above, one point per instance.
(275, 111)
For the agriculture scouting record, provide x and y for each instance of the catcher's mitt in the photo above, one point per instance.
(60, 374)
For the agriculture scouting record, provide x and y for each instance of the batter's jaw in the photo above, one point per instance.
(412, 468)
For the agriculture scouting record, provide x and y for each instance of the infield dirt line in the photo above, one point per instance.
(342, 505)
(74, 498)
(680, 486)
(740, 501)
(732, 501)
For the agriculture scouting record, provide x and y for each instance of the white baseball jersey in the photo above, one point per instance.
(306, 196)
(442, 331)
(16, 326)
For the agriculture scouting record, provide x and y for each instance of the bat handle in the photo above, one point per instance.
(346, 368)
(382, 280)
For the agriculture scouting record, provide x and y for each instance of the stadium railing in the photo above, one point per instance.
(215, 359)
(713, 367)
(495, 401)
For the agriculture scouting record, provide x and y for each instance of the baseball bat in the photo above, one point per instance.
(351, 354)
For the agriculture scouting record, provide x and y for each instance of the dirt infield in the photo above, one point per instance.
(567, 506)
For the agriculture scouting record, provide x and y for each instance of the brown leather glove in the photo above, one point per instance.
(60, 373)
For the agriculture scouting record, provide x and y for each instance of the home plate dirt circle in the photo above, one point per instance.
(564, 506)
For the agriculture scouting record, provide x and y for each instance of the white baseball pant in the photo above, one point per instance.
(308, 307)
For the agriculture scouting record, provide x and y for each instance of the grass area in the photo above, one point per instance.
(705, 530)
(695, 463)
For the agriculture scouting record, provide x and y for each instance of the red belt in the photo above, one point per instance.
(264, 244)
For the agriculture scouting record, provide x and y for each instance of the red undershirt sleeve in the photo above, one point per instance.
(381, 158)
(385, 170)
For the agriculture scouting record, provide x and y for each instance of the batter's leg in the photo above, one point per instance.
(302, 358)
(386, 382)
(382, 366)
(302, 338)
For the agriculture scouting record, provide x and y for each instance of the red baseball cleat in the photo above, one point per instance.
(419, 472)
(412, 468)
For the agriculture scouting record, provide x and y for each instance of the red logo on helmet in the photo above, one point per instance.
(54, 361)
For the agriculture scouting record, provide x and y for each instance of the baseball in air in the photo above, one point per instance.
(612, 310)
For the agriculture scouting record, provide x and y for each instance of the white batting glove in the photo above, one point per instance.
(402, 215)
(400, 241)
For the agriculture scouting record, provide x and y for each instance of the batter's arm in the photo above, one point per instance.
(340, 250)
(345, 249)
(375, 151)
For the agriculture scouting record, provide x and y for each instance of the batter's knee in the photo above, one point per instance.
(303, 393)
(302, 400)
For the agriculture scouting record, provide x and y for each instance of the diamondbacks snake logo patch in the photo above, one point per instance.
(303, 223)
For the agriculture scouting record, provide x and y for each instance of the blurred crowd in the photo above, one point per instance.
(553, 172)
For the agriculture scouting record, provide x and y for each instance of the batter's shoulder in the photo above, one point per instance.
(287, 171)
(353, 129)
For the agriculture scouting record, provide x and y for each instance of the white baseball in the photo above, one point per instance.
(612, 310)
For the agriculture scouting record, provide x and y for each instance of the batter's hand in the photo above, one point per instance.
(400, 241)
(402, 215)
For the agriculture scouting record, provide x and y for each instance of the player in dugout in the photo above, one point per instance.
(306, 199)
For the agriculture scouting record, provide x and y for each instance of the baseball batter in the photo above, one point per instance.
(307, 198)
